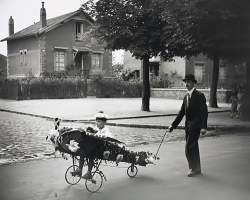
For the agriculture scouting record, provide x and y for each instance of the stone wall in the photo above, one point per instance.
(223, 96)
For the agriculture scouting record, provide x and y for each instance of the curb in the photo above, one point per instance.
(210, 127)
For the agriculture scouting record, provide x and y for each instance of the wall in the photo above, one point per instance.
(209, 71)
(15, 70)
(3, 66)
(222, 95)
(130, 62)
(169, 68)
(178, 66)
(63, 36)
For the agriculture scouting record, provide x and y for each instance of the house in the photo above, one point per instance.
(55, 46)
(3, 66)
(158, 69)
(229, 75)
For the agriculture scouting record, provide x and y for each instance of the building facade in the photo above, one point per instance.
(3, 67)
(229, 75)
(158, 69)
(55, 46)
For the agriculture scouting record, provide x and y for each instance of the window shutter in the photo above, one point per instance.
(81, 28)
(21, 58)
(25, 60)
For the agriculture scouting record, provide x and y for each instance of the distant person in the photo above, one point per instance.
(233, 100)
(240, 97)
(195, 109)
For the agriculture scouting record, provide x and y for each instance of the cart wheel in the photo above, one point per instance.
(72, 179)
(94, 184)
(132, 171)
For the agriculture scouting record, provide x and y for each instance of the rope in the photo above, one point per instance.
(161, 143)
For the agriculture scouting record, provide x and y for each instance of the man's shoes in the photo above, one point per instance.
(194, 172)
(76, 173)
(87, 176)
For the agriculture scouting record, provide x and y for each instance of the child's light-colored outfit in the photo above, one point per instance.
(104, 132)
(240, 97)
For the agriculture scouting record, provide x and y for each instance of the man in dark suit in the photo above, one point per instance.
(195, 109)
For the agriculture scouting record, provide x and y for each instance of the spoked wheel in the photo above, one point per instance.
(132, 171)
(94, 184)
(71, 178)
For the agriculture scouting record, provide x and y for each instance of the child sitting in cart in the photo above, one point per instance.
(101, 131)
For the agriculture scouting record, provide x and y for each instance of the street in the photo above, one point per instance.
(225, 175)
(30, 169)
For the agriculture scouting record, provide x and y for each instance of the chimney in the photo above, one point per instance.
(43, 16)
(11, 26)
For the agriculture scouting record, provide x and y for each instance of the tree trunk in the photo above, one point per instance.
(145, 84)
(214, 84)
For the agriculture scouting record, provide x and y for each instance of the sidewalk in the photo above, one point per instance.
(122, 112)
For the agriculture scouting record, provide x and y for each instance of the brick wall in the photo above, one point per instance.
(222, 95)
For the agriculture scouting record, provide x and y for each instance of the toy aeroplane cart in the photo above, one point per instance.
(79, 143)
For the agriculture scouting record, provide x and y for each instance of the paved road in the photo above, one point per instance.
(225, 160)
(23, 137)
(225, 176)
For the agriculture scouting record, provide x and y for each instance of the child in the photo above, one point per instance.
(233, 100)
(101, 131)
(240, 97)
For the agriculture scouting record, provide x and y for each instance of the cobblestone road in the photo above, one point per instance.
(22, 137)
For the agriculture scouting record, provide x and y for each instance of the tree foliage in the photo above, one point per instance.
(208, 26)
(168, 28)
(132, 25)
(217, 28)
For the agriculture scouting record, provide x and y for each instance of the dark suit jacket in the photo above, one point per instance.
(196, 113)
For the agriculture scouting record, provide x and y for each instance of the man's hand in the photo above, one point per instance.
(203, 131)
(170, 128)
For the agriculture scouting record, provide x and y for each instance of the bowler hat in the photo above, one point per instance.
(189, 77)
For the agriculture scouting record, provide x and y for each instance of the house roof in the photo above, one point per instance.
(35, 28)
(3, 56)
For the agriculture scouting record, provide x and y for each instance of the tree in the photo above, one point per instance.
(216, 28)
(132, 25)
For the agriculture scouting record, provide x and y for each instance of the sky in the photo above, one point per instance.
(26, 12)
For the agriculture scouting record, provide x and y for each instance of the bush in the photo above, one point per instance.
(51, 88)
(113, 87)
(8, 89)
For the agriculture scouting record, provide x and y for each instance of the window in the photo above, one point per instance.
(59, 61)
(154, 68)
(222, 74)
(21, 58)
(96, 62)
(25, 60)
(79, 31)
(199, 69)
